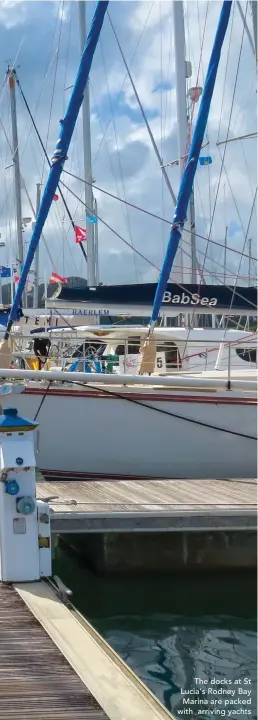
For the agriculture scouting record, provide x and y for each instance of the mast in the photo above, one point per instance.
(225, 254)
(89, 202)
(254, 15)
(96, 241)
(11, 74)
(36, 279)
(182, 124)
(187, 180)
(60, 154)
(249, 261)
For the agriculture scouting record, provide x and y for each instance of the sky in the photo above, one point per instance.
(41, 40)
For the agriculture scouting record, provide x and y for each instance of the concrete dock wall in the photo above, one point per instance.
(165, 552)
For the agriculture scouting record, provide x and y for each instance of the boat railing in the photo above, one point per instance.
(122, 355)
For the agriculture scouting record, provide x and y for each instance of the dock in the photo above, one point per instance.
(156, 524)
(150, 505)
(55, 666)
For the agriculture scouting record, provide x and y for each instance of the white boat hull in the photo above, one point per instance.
(84, 433)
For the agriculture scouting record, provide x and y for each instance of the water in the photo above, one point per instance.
(172, 630)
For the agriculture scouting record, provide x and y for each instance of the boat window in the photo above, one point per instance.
(133, 347)
(172, 354)
(169, 348)
(247, 354)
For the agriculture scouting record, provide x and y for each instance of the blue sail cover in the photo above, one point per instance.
(192, 161)
(60, 154)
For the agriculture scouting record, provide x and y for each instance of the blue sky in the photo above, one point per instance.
(43, 38)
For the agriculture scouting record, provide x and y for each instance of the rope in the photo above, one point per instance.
(166, 412)
(151, 407)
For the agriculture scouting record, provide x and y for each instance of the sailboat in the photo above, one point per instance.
(109, 426)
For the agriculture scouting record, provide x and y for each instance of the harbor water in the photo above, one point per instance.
(192, 639)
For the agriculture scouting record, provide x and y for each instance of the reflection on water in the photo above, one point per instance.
(169, 651)
(172, 630)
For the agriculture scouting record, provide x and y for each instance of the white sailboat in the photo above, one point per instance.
(198, 424)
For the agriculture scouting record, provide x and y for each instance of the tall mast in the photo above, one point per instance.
(254, 15)
(36, 267)
(182, 124)
(91, 279)
(11, 74)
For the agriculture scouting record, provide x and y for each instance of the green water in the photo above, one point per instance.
(172, 630)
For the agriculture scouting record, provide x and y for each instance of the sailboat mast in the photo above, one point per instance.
(182, 125)
(91, 279)
(36, 279)
(254, 16)
(11, 74)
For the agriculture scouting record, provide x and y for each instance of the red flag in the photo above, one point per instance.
(55, 278)
(16, 278)
(80, 234)
(56, 197)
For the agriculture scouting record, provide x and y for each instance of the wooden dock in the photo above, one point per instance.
(150, 505)
(55, 666)
(36, 681)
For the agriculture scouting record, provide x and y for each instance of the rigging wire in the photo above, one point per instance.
(225, 148)
(119, 160)
(148, 128)
(148, 212)
(190, 125)
(240, 262)
(226, 70)
(54, 224)
(161, 122)
(141, 254)
(61, 15)
(125, 78)
(246, 166)
(48, 161)
(234, 199)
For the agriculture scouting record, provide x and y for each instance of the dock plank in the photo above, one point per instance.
(233, 501)
(36, 681)
(135, 495)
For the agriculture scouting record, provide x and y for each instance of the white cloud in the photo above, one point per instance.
(136, 169)
(13, 13)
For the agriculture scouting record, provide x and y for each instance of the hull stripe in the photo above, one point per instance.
(153, 397)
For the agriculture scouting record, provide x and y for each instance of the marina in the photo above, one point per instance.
(128, 362)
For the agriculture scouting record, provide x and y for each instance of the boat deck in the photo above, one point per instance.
(150, 505)
(36, 681)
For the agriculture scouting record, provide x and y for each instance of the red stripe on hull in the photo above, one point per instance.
(153, 397)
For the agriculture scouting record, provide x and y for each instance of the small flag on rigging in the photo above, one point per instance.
(80, 234)
(55, 278)
(91, 219)
(205, 160)
(56, 197)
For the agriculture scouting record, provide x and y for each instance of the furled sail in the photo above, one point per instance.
(192, 161)
(62, 146)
